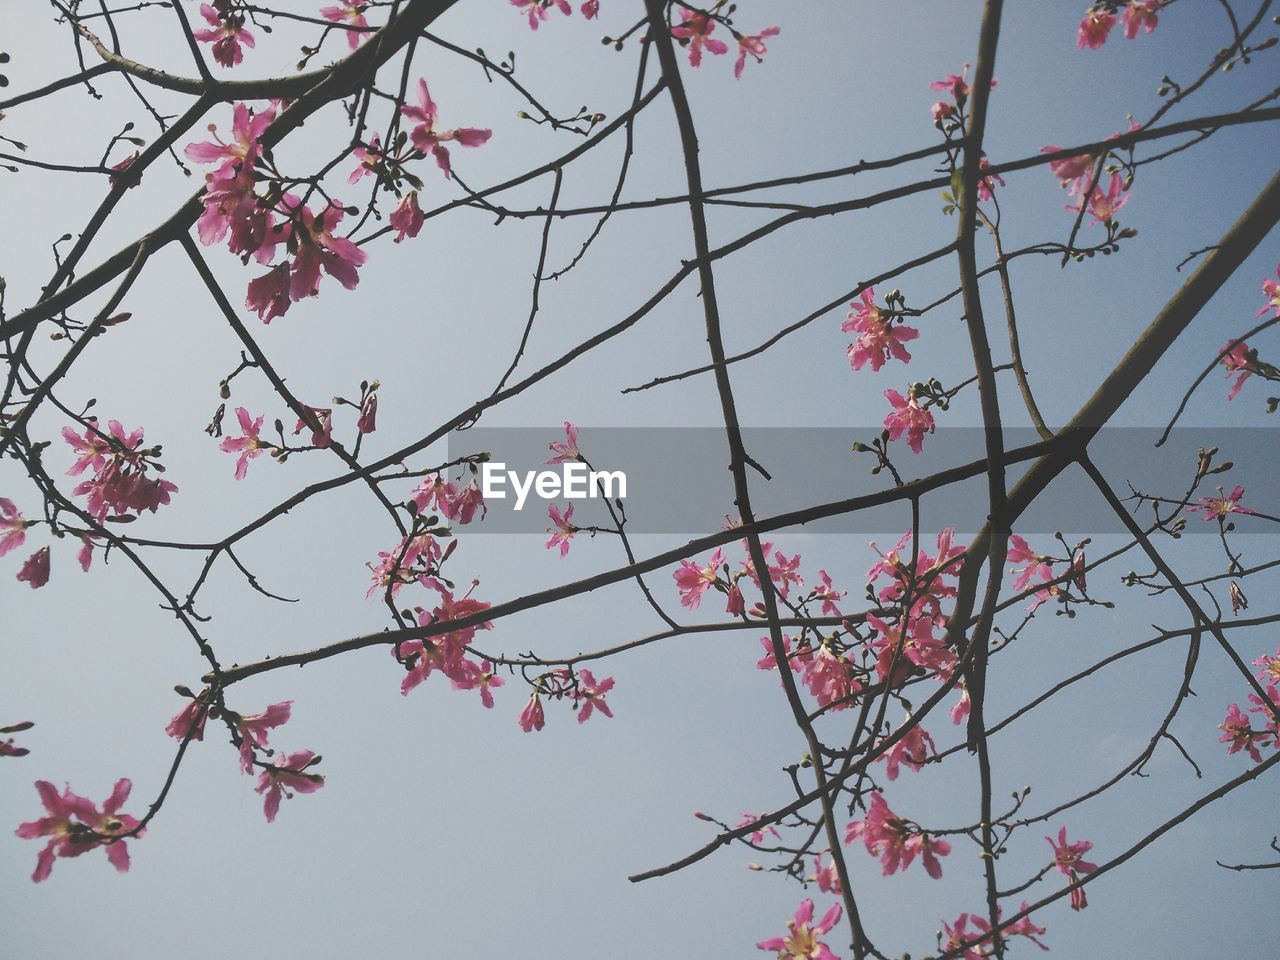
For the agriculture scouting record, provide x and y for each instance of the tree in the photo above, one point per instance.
(352, 175)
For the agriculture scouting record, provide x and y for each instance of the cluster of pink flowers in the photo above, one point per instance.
(453, 502)
(896, 840)
(695, 29)
(1237, 729)
(225, 31)
(585, 692)
(75, 826)
(121, 482)
(446, 652)
(878, 338)
(1069, 860)
(1101, 18)
(413, 560)
(801, 941)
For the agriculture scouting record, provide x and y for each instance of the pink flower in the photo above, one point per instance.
(1217, 508)
(1140, 14)
(801, 941)
(735, 605)
(1074, 173)
(567, 449)
(118, 178)
(443, 651)
(757, 837)
(1069, 859)
(91, 450)
(1238, 732)
(1271, 290)
(407, 218)
(589, 695)
(987, 184)
(249, 446)
(269, 294)
(428, 139)
(226, 32)
(878, 338)
(784, 572)
(120, 483)
(912, 751)
(292, 775)
(481, 677)
(591, 9)
(1241, 359)
(563, 530)
(896, 840)
(941, 110)
(692, 581)
(770, 662)
(90, 827)
(243, 151)
(84, 556)
(909, 417)
(368, 421)
(13, 526)
(827, 877)
(255, 730)
(695, 31)
(1270, 668)
(36, 570)
(957, 85)
(352, 11)
(1035, 565)
(191, 719)
(538, 10)
(752, 46)
(324, 418)
(532, 717)
(368, 159)
(1103, 206)
(1094, 28)
(319, 248)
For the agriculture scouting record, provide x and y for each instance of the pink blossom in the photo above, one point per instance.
(909, 417)
(1270, 668)
(692, 581)
(696, 30)
(532, 717)
(565, 450)
(91, 450)
(367, 159)
(118, 178)
(987, 184)
(1237, 731)
(190, 719)
(590, 9)
(368, 420)
(827, 593)
(75, 826)
(539, 10)
(752, 46)
(1239, 358)
(941, 110)
(912, 750)
(480, 677)
(735, 605)
(957, 85)
(563, 530)
(1069, 859)
(249, 446)
(832, 679)
(269, 294)
(1103, 206)
(320, 248)
(1075, 173)
(757, 836)
(463, 503)
(120, 483)
(443, 651)
(428, 139)
(896, 840)
(1095, 28)
(801, 941)
(255, 730)
(407, 218)
(13, 526)
(827, 876)
(1219, 507)
(247, 127)
(84, 556)
(1035, 564)
(1140, 14)
(226, 32)
(1271, 290)
(279, 779)
(878, 339)
(770, 662)
(324, 418)
(395, 568)
(589, 695)
(36, 570)
(352, 11)
(784, 573)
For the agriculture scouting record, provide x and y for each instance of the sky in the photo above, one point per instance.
(442, 827)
